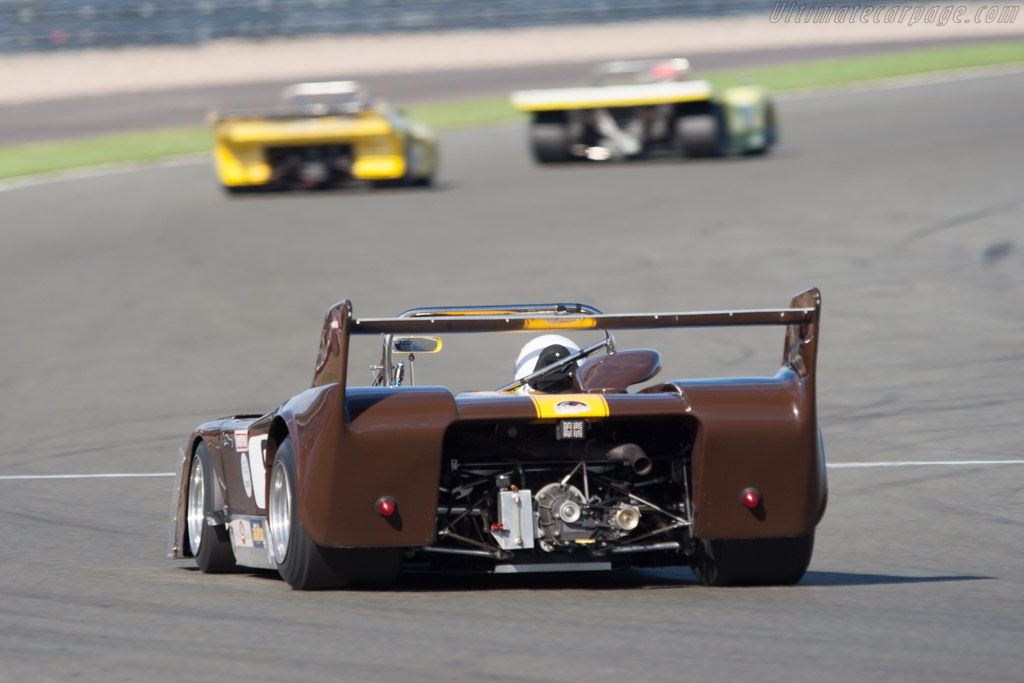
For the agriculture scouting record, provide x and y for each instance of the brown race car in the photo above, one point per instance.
(582, 462)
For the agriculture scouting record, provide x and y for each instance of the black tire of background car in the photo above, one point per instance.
(771, 132)
(235, 190)
(550, 142)
(427, 180)
(752, 562)
(215, 555)
(307, 566)
(771, 136)
(702, 135)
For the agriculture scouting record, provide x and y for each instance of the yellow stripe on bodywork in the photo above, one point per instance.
(551, 406)
(559, 324)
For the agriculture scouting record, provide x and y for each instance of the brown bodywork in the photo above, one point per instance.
(353, 445)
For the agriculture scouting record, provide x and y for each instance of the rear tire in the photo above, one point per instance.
(422, 153)
(235, 190)
(304, 564)
(550, 142)
(210, 544)
(702, 135)
(771, 133)
(753, 562)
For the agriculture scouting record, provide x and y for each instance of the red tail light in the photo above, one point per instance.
(751, 497)
(386, 506)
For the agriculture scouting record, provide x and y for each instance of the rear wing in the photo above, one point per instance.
(303, 100)
(591, 97)
(280, 113)
(800, 318)
(468, 322)
(642, 70)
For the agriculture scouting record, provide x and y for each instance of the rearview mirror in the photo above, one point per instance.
(416, 345)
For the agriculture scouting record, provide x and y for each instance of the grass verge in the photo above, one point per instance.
(875, 67)
(43, 157)
(28, 159)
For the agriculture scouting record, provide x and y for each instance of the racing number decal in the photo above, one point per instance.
(257, 469)
(569, 405)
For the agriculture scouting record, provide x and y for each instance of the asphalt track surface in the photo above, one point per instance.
(139, 303)
(77, 117)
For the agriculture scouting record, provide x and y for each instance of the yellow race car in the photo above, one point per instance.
(320, 135)
(637, 108)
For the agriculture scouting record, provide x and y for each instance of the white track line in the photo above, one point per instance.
(102, 170)
(831, 465)
(899, 82)
(922, 463)
(118, 475)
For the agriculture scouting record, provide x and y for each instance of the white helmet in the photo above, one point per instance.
(542, 351)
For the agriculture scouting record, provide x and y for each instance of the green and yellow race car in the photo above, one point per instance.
(322, 134)
(640, 107)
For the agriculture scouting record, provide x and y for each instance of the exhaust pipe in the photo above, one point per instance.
(634, 455)
(594, 450)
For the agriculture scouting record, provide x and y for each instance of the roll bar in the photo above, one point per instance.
(552, 311)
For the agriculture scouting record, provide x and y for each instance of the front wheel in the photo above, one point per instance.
(304, 564)
(210, 544)
(753, 561)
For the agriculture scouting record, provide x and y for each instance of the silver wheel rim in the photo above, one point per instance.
(196, 503)
(280, 512)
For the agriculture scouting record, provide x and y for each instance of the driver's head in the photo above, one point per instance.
(542, 351)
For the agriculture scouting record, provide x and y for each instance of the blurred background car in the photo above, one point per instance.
(322, 134)
(638, 107)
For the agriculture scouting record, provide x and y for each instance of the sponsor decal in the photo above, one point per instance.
(258, 536)
(246, 475)
(559, 324)
(241, 440)
(571, 407)
(550, 406)
(241, 532)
